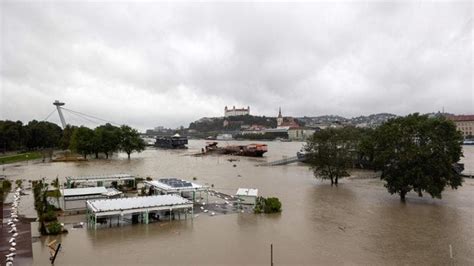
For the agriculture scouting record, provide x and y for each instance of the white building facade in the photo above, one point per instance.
(236, 112)
(300, 133)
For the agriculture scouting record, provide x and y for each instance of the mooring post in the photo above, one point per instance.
(271, 254)
(53, 258)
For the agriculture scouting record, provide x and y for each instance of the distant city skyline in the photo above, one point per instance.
(154, 63)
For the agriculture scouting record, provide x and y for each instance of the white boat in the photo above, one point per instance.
(224, 137)
(468, 142)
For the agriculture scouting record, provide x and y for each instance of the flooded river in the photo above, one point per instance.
(358, 222)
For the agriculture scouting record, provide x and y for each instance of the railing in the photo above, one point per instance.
(282, 161)
(467, 174)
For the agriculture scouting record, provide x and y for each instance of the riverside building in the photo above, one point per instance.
(464, 123)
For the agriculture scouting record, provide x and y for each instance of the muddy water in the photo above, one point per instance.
(355, 223)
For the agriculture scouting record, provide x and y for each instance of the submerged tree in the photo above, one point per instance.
(130, 140)
(417, 153)
(330, 153)
(110, 138)
(56, 193)
(65, 140)
(82, 141)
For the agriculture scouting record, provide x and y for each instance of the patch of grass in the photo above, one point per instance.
(49, 216)
(20, 157)
(54, 228)
(53, 193)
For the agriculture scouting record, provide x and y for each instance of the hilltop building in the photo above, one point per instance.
(464, 123)
(236, 112)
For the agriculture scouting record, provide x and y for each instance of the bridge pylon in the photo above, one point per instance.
(58, 105)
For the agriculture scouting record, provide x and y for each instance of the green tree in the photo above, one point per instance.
(65, 141)
(42, 135)
(57, 192)
(417, 153)
(267, 205)
(97, 141)
(54, 228)
(272, 205)
(82, 141)
(12, 135)
(43, 209)
(109, 139)
(365, 148)
(330, 153)
(130, 140)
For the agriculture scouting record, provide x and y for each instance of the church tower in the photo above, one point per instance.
(279, 118)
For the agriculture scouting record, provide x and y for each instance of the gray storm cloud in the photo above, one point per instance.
(149, 64)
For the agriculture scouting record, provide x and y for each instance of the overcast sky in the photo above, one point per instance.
(155, 63)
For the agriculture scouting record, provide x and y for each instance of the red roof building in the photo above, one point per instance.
(464, 123)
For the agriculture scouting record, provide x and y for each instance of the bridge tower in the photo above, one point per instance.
(58, 105)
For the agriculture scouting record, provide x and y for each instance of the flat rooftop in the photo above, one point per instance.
(74, 192)
(175, 184)
(137, 204)
(111, 177)
(252, 192)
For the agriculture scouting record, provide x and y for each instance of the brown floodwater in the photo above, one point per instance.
(358, 222)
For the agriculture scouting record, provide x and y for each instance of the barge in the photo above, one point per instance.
(250, 150)
(172, 142)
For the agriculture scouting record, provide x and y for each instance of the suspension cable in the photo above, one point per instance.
(94, 117)
(82, 117)
(49, 114)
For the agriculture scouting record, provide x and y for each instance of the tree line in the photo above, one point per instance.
(106, 139)
(413, 153)
(15, 136)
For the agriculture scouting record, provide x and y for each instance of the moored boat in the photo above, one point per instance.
(172, 142)
(251, 150)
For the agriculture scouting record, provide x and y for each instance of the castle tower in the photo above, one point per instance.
(279, 118)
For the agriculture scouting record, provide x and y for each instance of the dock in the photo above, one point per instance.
(283, 161)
